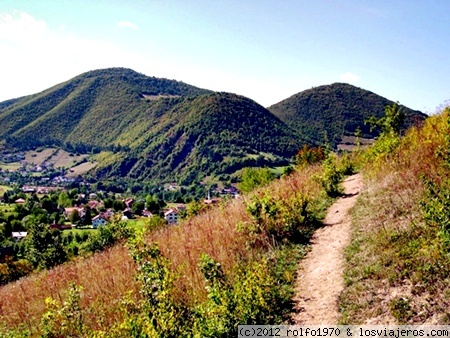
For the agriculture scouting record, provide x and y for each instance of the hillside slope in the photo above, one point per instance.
(217, 133)
(398, 263)
(92, 109)
(148, 128)
(337, 109)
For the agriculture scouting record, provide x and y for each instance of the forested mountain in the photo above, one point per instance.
(93, 109)
(217, 133)
(154, 129)
(337, 110)
(148, 128)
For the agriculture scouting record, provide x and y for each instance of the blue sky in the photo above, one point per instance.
(265, 50)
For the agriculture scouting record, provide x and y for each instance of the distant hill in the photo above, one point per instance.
(92, 109)
(148, 128)
(153, 129)
(211, 134)
(337, 110)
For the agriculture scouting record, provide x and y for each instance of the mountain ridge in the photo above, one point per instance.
(338, 109)
(155, 129)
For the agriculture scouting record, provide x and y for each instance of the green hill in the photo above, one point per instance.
(337, 110)
(212, 134)
(92, 109)
(148, 128)
(153, 129)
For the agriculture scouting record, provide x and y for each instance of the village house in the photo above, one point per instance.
(28, 189)
(146, 213)
(94, 204)
(99, 220)
(171, 216)
(127, 214)
(181, 207)
(17, 236)
(129, 202)
(68, 211)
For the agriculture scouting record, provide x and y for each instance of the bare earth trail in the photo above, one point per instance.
(320, 276)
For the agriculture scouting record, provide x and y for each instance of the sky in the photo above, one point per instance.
(267, 50)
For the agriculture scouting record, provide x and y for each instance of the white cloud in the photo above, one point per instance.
(127, 24)
(36, 57)
(349, 77)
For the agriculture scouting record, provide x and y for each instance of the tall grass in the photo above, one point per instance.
(114, 300)
(398, 264)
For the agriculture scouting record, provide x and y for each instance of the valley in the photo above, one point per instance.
(138, 206)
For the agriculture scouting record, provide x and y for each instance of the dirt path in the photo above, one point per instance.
(320, 280)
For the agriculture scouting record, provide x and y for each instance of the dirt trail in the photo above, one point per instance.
(320, 280)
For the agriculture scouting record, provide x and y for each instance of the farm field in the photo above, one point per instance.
(13, 166)
(39, 157)
(4, 188)
(81, 169)
(64, 159)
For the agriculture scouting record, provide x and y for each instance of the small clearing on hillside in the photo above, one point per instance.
(64, 159)
(39, 157)
(81, 169)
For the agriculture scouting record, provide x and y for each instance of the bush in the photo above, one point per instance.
(331, 177)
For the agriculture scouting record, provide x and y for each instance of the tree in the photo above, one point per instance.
(64, 200)
(138, 207)
(153, 203)
(44, 247)
(391, 122)
(254, 177)
(74, 217)
(87, 219)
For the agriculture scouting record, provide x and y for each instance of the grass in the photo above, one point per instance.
(105, 277)
(10, 166)
(39, 157)
(63, 159)
(81, 169)
(108, 278)
(397, 264)
(4, 188)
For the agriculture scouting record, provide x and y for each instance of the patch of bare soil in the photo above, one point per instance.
(320, 276)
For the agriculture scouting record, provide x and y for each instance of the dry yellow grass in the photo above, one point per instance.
(63, 159)
(397, 269)
(105, 278)
(108, 276)
(81, 169)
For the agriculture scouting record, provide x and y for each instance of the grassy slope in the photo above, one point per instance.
(398, 263)
(109, 277)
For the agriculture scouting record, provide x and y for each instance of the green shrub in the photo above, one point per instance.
(331, 177)
(279, 219)
(64, 320)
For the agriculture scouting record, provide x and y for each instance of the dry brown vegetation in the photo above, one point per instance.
(64, 159)
(81, 169)
(39, 157)
(107, 278)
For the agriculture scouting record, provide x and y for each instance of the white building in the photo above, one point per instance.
(171, 216)
(98, 221)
